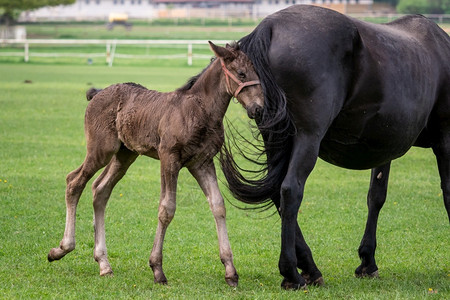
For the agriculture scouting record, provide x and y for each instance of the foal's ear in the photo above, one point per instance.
(221, 52)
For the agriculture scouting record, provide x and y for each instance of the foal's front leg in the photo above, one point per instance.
(206, 178)
(167, 204)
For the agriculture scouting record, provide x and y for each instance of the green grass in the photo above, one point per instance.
(41, 140)
(212, 30)
(159, 30)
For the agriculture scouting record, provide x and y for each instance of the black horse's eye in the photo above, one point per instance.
(241, 74)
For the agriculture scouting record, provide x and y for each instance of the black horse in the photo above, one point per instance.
(355, 94)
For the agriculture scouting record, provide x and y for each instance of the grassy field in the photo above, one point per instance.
(159, 29)
(41, 140)
(141, 30)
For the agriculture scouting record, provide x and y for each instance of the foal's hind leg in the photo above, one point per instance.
(102, 188)
(375, 200)
(206, 178)
(76, 182)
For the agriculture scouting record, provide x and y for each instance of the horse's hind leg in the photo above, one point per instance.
(102, 188)
(305, 261)
(206, 178)
(76, 182)
(375, 200)
(442, 152)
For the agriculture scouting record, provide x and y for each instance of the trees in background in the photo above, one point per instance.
(10, 9)
(424, 6)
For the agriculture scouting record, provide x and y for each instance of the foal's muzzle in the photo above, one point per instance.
(254, 111)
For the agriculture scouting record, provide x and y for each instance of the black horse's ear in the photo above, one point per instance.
(221, 52)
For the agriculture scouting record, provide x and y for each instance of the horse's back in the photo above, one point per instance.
(311, 56)
(367, 89)
(402, 77)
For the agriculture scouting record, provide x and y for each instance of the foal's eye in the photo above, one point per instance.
(241, 74)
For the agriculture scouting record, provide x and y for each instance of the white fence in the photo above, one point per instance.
(110, 48)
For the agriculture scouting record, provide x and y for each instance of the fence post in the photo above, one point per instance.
(189, 54)
(108, 53)
(26, 52)
(113, 52)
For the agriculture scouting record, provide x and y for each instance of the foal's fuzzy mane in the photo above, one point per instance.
(190, 83)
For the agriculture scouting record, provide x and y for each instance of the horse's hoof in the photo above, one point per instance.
(362, 273)
(316, 282)
(293, 286)
(373, 274)
(232, 281)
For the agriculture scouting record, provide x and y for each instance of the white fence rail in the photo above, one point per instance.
(110, 48)
(438, 18)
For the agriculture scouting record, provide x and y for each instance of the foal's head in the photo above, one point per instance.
(241, 79)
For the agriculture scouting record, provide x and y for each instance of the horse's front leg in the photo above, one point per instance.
(206, 178)
(167, 205)
(303, 159)
(375, 200)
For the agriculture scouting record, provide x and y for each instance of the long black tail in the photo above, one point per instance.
(276, 128)
(91, 93)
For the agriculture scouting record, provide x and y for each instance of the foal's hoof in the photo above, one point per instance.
(161, 281)
(292, 286)
(160, 278)
(232, 281)
(50, 258)
(55, 254)
(107, 273)
(158, 273)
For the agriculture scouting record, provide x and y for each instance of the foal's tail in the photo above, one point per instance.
(91, 93)
(276, 128)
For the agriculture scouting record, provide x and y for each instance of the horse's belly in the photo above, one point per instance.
(358, 156)
(366, 143)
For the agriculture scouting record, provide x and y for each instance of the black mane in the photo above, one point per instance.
(275, 127)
